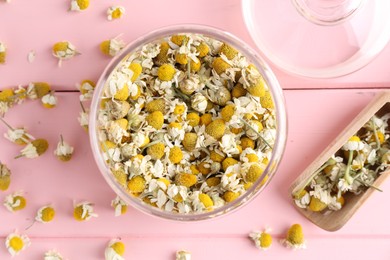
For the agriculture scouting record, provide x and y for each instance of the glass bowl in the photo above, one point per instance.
(280, 119)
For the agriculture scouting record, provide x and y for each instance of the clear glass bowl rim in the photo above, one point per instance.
(268, 76)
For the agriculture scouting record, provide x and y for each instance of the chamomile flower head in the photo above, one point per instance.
(112, 47)
(64, 51)
(263, 240)
(166, 72)
(354, 144)
(119, 205)
(45, 214)
(49, 100)
(155, 105)
(15, 201)
(79, 5)
(136, 184)
(186, 179)
(115, 250)
(83, 211)
(199, 102)
(183, 255)
(5, 177)
(34, 149)
(189, 141)
(220, 65)
(155, 119)
(83, 117)
(64, 151)
(17, 135)
(86, 88)
(37, 90)
(115, 12)
(295, 238)
(52, 255)
(3, 53)
(175, 154)
(16, 243)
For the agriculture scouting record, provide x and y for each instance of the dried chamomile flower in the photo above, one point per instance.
(115, 12)
(183, 255)
(49, 100)
(83, 211)
(79, 5)
(3, 53)
(37, 90)
(199, 102)
(115, 250)
(45, 214)
(53, 255)
(64, 151)
(295, 238)
(263, 240)
(112, 47)
(84, 117)
(5, 177)
(15, 201)
(64, 51)
(119, 205)
(17, 135)
(16, 243)
(34, 149)
(86, 88)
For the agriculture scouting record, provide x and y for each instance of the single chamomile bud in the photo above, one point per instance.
(83, 211)
(86, 88)
(84, 117)
(112, 47)
(119, 205)
(79, 5)
(52, 255)
(3, 53)
(199, 102)
(34, 149)
(15, 201)
(295, 238)
(64, 151)
(5, 177)
(16, 135)
(49, 100)
(263, 240)
(16, 243)
(183, 255)
(64, 51)
(114, 250)
(37, 90)
(45, 214)
(115, 12)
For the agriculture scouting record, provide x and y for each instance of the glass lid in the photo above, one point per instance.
(318, 38)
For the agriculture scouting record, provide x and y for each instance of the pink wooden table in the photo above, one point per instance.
(36, 25)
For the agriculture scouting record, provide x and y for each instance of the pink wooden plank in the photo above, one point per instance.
(47, 180)
(229, 248)
(51, 22)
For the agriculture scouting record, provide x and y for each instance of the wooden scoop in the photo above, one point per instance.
(334, 220)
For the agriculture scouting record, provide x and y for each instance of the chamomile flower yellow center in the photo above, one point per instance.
(155, 119)
(179, 40)
(206, 201)
(228, 51)
(295, 236)
(213, 181)
(136, 184)
(229, 196)
(203, 49)
(156, 151)
(162, 56)
(45, 214)
(220, 66)
(254, 173)
(216, 129)
(166, 72)
(189, 141)
(186, 179)
(175, 154)
(156, 105)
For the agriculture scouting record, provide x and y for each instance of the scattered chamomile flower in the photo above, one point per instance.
(31, 56)
(45, 214)
(183, 255)
(64, 151)
(115, 12)
(115, 250)
(17, 135)
(263, 240)
(37, 90)
(295, 238)
(15, 201)
(16, 243)
(84, 117)
(3, 53)
(53, 255)
(64, 51)
(112, 47)
(79, 5)
(49, 100)
(34, 149)
(5, 177)
(86, 88)
(119, 205)
(83, 211)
